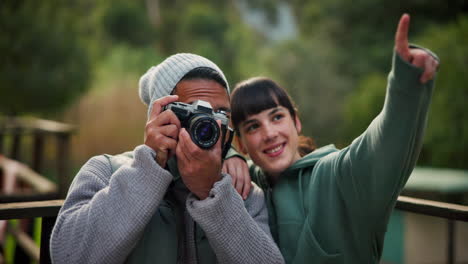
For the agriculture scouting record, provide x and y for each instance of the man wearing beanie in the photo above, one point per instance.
(167, 200)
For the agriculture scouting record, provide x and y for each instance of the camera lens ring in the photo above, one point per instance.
(204, 131)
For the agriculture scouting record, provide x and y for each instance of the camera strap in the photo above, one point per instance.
(227, 145)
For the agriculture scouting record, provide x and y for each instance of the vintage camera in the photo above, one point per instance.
(200, 121)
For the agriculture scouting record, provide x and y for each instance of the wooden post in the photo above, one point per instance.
(451, 241)
(16, 144)
(47, 226)
(2, 135)
(38, 151)
(63, 160)
(3, 124)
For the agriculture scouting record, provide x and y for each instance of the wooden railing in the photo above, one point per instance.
(23, 140)
(17, 174)
(433, 208)
(13, 132)
(451, 212)
(48, 210)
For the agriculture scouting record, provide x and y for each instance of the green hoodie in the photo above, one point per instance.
(333, 206)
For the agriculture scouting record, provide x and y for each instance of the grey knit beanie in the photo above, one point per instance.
(160, 80)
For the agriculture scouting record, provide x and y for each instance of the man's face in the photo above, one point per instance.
(200, 169)
(207, 90)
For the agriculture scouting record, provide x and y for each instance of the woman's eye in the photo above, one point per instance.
(251, 127)
(277, 117)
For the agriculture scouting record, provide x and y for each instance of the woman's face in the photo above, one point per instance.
(271, 139)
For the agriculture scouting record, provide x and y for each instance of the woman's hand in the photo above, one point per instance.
(416, 57)
(239, 171)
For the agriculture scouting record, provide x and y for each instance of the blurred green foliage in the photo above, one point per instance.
(364, 104)
(446, 139)
(54, 51)
(44, 65)
(446, 142)
(213, 29)
(126, 22)
(363, 30)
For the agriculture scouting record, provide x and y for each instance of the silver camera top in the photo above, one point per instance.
(197, 107)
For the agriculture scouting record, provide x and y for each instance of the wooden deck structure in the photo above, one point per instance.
(48, 210)
(24, 140)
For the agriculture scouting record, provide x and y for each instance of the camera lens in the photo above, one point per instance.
(204, 131)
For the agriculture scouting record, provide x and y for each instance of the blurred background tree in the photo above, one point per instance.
(446, 139)
(332, 56)
(446, 142)
(44, 64)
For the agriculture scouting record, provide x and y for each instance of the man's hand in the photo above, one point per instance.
(239, 171)
(162, 130)
(199, 168)
(416, 57)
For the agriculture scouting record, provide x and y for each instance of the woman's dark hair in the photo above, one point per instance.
(257, 94)
(204, 73)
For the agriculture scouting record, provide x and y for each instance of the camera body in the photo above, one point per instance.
(199, 120)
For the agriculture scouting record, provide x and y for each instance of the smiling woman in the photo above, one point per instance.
(315, 201)
(269, 123)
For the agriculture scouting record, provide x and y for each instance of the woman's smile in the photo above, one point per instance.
(275, 150)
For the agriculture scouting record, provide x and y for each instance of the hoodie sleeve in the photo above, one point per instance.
(373, 170)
